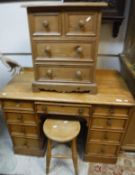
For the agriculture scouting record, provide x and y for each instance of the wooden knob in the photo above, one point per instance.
(25, 143)
(18, 104)
(45, 109)
(105, 136)
(48, 49)
(80, 111)
(81, 23)
(102, 150)
(45, 23)
(78, 75)
(79, 49)
(19, 117)
(49, 73)
(22, 129)
(109, 122)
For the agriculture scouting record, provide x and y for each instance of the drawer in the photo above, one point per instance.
(81, 23)
(27, 143)
(100, 149)
(95, 135)
(18, 105)
(12, 117)
(64, 72)
(46, 24)
(63, 109)
(28, 131)
(108, 123)
(65, 50)
(111, 111)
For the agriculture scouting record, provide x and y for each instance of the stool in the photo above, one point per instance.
(61, 131)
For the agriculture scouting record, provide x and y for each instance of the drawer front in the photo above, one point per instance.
(65, 50)
(108, 123)
(111, 111)
(18, 105)
(30, 131)
(81, 23)
(66, 73)
(106, 136)
(62, 109)
(27, 143)
(20, 118)
(46, 24)
(100, 149)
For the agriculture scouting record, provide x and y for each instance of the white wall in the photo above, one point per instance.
(14, 38)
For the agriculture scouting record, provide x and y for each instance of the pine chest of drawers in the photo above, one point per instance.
(64, 40)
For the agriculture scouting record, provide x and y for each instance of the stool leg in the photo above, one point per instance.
(74, 155)
(48, 155)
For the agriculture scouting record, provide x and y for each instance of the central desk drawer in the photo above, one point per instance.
(65, 49)
(66, 73)
(63, 109)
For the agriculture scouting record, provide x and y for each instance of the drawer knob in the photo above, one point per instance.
(105, 137)
(102, 150)
(109, 122)
(79, 49)
(48, 50)
(45, 109)
(45, 23)
(50, 73)
(80, 111)
(19, 117)
(25, 143)
(18, 104)
(81, 23)
(78, 75)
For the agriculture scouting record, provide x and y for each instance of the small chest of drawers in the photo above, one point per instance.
(64, 40)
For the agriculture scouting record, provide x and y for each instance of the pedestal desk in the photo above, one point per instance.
(107, 114)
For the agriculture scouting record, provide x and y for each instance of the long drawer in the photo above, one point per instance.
(18, 105)
(20, 118)
(105, 136)
(63, 109)
(108, 123)
(101, 149)
(65, 50)
(23, 130)
(47, 71)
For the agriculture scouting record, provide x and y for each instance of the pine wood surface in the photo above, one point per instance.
(111, 90)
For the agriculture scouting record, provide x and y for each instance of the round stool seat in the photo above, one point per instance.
(61, 130)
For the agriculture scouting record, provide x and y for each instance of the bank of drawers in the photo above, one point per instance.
(22, 124)
(106, 130)
(64, 48)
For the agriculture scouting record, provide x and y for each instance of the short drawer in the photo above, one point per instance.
(45, 24)
(17, 105)
(64, 72)
(21, 118)
(63, 109)
(106, 136)
(28, 131)
(108, 123)
(26, 142)
(120, 111)
(66, 50)
(101, 149)
(81, 23)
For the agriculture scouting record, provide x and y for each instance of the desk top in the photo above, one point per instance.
(111, 90)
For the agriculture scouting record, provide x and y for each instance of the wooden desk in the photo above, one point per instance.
(107, 114)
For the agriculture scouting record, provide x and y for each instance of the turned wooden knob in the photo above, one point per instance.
(79, 49)
(19, 117)
(45, 23)
(49, 73)
(81, 23)
(105, 136)
(78, 75)
(102, 150)
(80, 111)
(109, 122)
(45, 109)
(48, 49)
